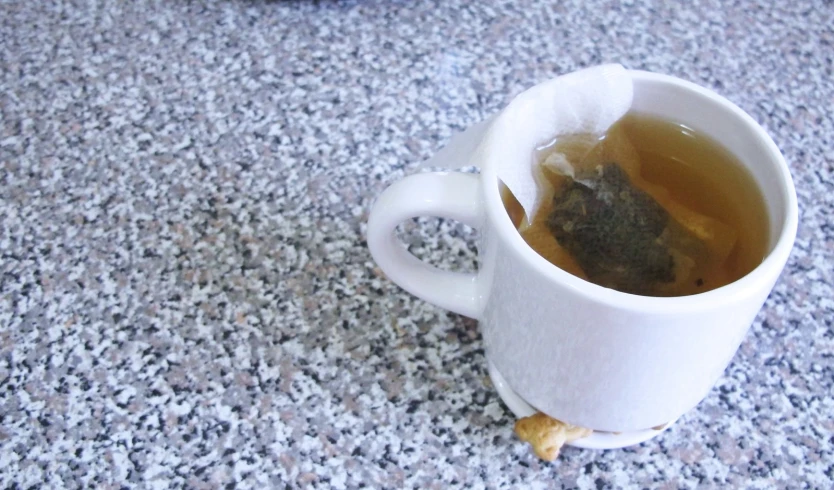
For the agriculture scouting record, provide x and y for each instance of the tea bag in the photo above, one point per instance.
(623, 232)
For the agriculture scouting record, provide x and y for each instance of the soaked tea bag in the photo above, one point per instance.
(618, 234)
(623, 232)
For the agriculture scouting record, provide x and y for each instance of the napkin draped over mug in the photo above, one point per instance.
(588, 101)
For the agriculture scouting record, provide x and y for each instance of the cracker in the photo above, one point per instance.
(547, 435)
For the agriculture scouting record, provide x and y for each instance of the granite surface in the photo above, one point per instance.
(187, 299)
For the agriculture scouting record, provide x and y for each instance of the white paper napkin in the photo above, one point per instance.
(585, 101)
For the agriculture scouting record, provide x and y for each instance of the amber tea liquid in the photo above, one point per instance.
(688, 168)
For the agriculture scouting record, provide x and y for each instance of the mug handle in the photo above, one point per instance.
(452, 195)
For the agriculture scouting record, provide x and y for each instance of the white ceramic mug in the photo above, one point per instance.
(581, 353)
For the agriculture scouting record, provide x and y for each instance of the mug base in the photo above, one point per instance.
(597, 440)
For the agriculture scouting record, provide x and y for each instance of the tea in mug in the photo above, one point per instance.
(652, 208)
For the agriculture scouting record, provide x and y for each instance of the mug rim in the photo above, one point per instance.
(763, 275)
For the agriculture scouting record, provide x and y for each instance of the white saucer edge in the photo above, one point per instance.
(597, 440)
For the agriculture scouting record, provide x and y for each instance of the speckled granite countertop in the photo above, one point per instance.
(187, 298)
